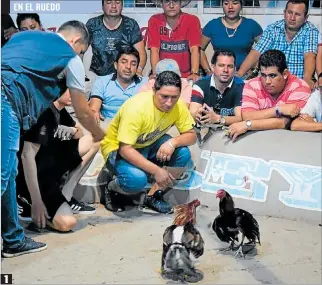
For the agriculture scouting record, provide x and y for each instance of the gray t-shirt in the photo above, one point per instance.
(313, 106)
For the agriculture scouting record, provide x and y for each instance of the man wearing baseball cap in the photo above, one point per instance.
(170, 65)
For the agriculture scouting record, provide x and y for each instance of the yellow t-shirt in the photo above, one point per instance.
(139, 123)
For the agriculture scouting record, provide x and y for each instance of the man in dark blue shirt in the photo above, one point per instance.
(217, 98)
(36, 68)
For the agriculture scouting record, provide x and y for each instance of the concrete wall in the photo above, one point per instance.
(276, 173)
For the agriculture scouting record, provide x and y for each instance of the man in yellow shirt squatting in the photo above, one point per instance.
(136, 145)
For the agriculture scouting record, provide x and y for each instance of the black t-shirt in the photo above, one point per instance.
(43, 131)
(106, 43)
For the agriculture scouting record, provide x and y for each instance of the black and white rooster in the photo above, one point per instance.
(232, 221)
(182, 245)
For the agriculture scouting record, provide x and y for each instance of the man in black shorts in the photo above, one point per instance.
(54, 147)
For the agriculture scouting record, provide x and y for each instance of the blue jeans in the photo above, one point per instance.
(11, 232)
(133, 179)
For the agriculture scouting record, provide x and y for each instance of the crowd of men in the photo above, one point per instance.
(255, 80)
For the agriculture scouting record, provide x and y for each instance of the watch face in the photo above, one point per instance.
(248, 123)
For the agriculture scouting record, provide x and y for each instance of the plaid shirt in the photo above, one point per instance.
(305, 40)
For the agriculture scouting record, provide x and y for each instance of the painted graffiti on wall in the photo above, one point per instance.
(249, 178)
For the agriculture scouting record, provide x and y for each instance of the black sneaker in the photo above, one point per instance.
(157, 203)
(112, 201)
(80, 207)
(28, 246)
(24, 209)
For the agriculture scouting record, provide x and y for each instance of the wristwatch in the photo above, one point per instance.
(222, 120)
(248, 124)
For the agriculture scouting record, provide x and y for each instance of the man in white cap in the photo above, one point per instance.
(170, 65)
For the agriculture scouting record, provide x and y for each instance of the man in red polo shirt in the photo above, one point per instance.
(175, 35)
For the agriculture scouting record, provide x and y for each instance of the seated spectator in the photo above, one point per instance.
(310, 119)
(170, 65)
(271, 100)
(231, 32)
(28, 22)
(175, 35)
(111, 32)
(136, 144)
(296, 37)
(53, 146)
(111, 91)
(217, 98)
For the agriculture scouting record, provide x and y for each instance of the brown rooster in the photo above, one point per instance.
(182, 245)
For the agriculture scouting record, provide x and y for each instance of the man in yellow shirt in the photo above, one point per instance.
(136, 144)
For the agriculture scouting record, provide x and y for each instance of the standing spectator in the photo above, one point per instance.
(310, 119)
(175, 35)
(136, 144)
(53, 146)
(111, 91)
(170, 65)
(28, 22)
(111, 32)
(217, 98)
(8, 28)
(32, 78)
(294, 36)
(231, 32)
(271, 100)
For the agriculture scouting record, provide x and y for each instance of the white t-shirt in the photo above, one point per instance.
(313, 106)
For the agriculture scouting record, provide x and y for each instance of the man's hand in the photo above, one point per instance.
(165, 152)
(9, 32)
(306, 117)
(163, 178)
(64, 132)
(237, 129)
(194, 77)
(208, 115)
(39, 213)
(291, 110)
(98, 116)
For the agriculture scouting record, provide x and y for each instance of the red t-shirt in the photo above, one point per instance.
(175, 44)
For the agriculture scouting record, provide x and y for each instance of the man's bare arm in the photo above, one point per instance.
(250, 61)
(309, 68)
(140, 46)
(301, 125)
(154, 58)
(85, 115)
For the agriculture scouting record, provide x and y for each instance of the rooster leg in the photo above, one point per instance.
(240, 248)
(229, 248)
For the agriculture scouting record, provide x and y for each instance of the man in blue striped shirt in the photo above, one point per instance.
(294, 36)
